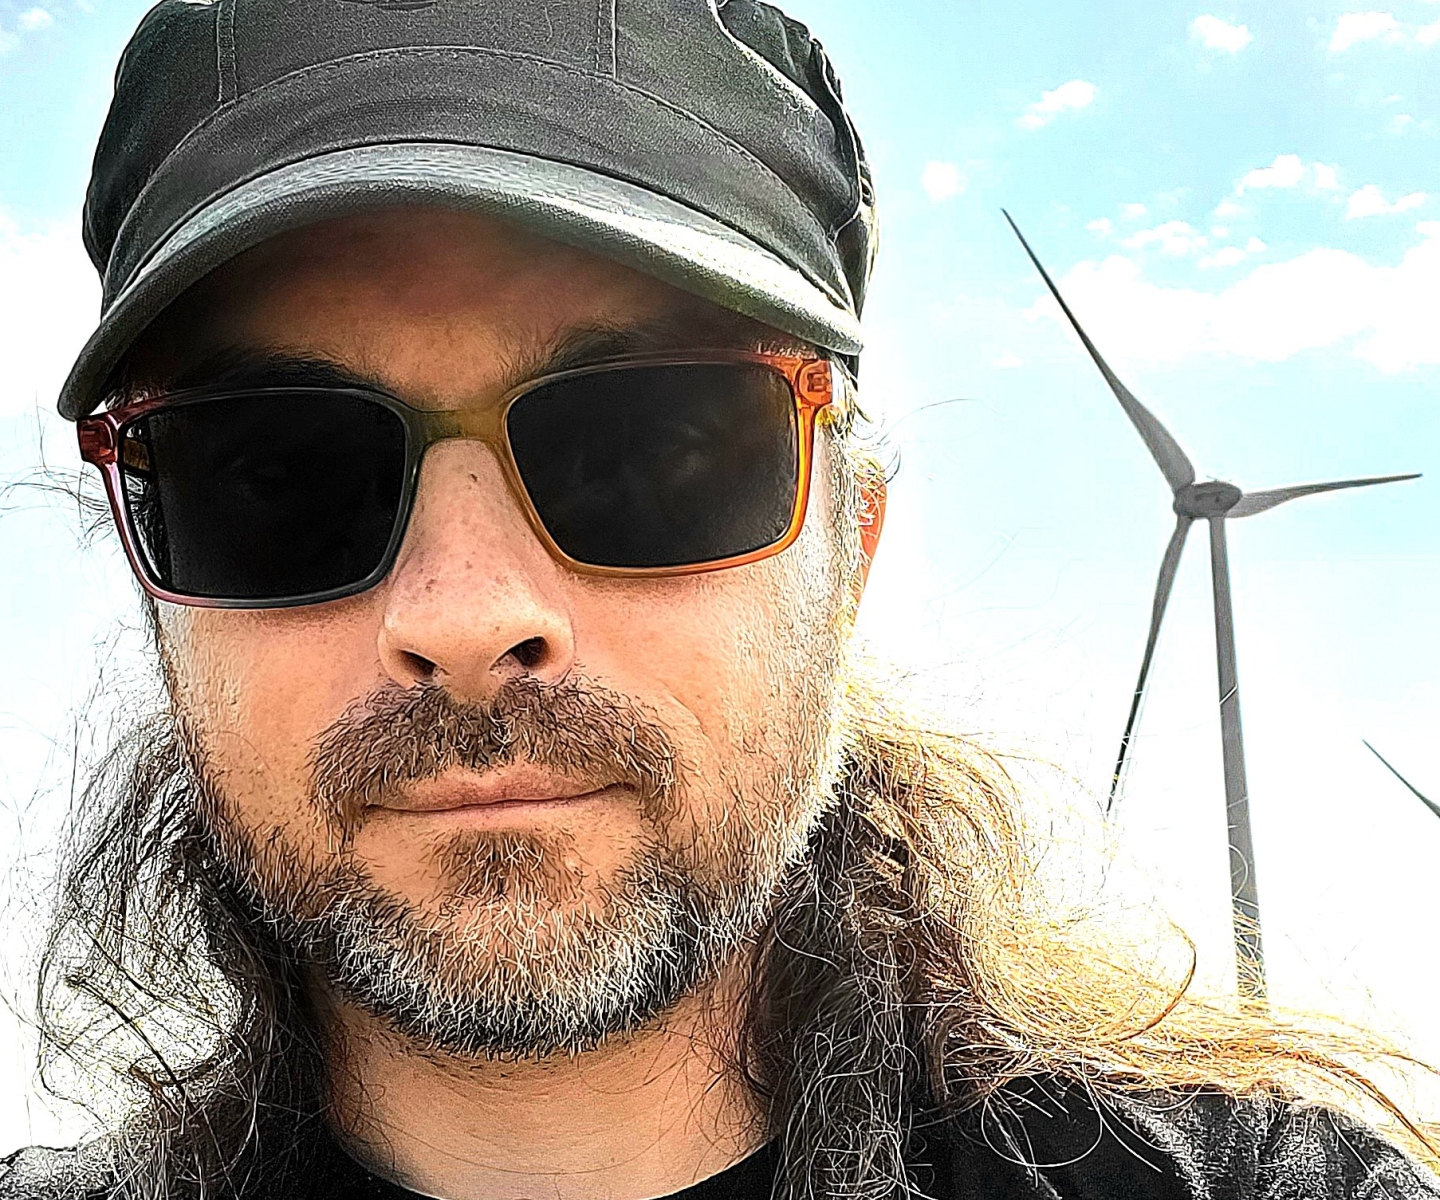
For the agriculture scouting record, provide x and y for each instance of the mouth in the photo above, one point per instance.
(515, 790)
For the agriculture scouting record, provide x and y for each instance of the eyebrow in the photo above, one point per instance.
(579, 346)
(242, 367)
(688, 329)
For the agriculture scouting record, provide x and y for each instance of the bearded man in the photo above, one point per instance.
(475, 395)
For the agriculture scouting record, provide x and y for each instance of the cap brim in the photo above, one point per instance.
(629, 224)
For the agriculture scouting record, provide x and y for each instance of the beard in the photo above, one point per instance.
(517, 953)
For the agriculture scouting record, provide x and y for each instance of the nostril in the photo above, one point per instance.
(421, 669)
(530, 653)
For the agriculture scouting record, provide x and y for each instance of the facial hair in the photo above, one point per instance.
(522, 956)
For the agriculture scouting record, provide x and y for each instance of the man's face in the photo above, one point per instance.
(509, 806)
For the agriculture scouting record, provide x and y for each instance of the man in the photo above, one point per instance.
(475, 394)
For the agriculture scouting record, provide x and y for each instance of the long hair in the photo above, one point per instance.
(924, 968)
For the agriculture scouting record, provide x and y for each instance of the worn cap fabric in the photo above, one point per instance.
(704, 142)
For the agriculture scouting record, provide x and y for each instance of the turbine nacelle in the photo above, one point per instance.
(1202, 501)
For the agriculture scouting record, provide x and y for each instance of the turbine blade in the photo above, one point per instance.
(1428, 803)
(1174, 464)
(1169, 565)
(1258, 502)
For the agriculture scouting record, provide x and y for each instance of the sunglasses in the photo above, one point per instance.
(273, 497)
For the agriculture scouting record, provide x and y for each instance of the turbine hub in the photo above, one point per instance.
(1209, 499)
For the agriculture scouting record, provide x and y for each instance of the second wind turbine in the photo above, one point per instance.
(1215, 502)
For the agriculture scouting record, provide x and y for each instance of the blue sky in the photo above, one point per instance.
(1243, 205)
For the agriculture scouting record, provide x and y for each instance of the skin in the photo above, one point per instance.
(445, 309)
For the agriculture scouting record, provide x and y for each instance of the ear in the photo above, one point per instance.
(872, 521)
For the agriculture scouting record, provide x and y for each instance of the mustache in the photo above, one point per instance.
(398, 736)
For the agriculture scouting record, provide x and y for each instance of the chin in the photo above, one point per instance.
(520, 975)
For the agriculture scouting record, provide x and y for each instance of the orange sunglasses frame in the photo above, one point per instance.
(812, 383)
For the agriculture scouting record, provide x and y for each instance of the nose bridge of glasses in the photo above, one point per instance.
(481, 424)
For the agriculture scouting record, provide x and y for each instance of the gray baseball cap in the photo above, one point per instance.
(704, 142)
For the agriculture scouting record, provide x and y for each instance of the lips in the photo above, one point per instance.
(510, 786)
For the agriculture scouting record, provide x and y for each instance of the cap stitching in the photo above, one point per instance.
(846, 135)
(225, 51)
(606, 61)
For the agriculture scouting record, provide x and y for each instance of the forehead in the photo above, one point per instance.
(417, 295)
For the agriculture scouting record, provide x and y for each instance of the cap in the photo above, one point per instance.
(703, 142)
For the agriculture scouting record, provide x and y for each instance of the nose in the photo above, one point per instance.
(474, 599)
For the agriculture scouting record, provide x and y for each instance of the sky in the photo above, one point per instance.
(1242, 204)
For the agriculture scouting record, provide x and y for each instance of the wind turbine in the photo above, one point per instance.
(1216, 502)
(1425, 800)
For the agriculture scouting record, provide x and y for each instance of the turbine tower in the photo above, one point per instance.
(1215, 502)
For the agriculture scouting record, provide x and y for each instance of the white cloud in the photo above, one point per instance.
(1232, 256)
(1400, 122)
(941, 180)
(1067, 97)
(1324, 298)
(1228, 208)
(1362, 27)
(1221, 35)
(1133, 212)
(48, 306)
(1369, 201)
(32, 20)
(1173, 237)
(1228, 257)
(1008, 361)
(1285, 172)
(1104, 226)
(1353, 28)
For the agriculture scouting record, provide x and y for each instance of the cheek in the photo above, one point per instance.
(256, 688)
(720, 640)
(699, 649)
(738, 665)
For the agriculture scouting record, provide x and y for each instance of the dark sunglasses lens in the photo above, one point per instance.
(660, 466)
(270, 496)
